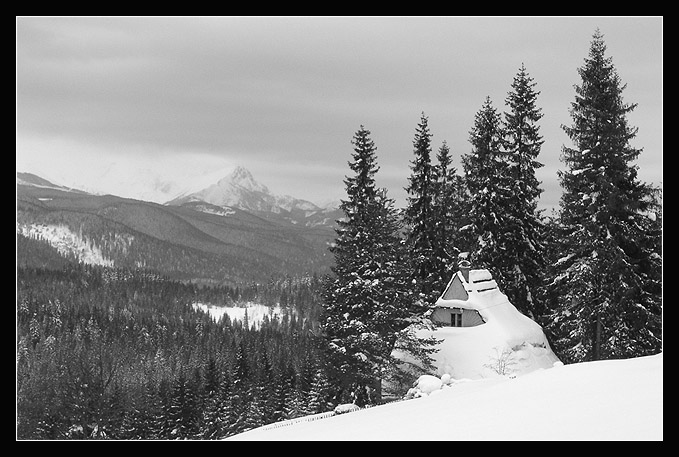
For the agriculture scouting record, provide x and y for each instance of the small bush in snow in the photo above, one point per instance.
(503, 362)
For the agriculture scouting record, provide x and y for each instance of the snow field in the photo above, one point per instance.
(603, 400)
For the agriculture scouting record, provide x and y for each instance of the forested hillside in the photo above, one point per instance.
(184, 243)
(113, 353)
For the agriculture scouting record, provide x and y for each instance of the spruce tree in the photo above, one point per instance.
(489, 184)
(281, 388)
(523, 230)
(420, 216)
(212, 425)
(241, 391)
(319, 393)
(143, 420)
(450, 216)
(183, 414)
(226, 413)
(606, 284)
(367, 303)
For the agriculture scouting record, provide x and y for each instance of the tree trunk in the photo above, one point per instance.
(596, 347)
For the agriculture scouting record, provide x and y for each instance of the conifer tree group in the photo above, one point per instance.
(368, 302)
(591, 275)
(504, 193)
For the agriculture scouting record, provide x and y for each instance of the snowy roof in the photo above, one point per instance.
(481, 288)
(484, 296)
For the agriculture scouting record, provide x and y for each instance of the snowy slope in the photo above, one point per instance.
(66, 242)
(604, 400)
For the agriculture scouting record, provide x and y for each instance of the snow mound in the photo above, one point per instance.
(425, 385)
(346, 408)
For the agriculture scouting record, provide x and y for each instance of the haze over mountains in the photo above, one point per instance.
(231, 231)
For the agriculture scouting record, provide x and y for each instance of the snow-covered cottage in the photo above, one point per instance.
(482, 334)
(453, 307)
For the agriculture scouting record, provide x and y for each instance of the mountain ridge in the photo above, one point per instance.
(31, 179)
(195, 240)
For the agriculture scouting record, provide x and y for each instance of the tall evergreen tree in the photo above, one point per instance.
(211, 420)
(368, 301)
(183, 412)
(606, 284)
(450, 208)
(523, 229)
(241, 389)
(319, 400)
(143, 421)
(420, 217)
(488, 180)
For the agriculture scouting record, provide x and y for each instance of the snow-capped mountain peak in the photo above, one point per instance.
(241, 177)
(239, 189)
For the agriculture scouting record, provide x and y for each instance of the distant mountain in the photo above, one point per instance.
(240, 190)
(194, 240)
(29, 179)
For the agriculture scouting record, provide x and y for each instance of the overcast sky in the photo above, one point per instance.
(283, 96)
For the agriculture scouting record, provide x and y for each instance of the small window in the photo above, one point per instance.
(455, 319)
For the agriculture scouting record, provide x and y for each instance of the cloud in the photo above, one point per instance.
(285, 94)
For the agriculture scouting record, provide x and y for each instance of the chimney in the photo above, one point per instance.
(464, 266)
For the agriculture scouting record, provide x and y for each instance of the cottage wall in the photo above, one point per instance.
(443, 316)
(471, 318)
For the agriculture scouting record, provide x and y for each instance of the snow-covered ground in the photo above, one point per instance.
(255, 312)
(604, 400)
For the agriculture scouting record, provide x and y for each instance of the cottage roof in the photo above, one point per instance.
(461, 293)
(484, 296)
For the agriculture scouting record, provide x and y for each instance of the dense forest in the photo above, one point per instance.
(118, 354)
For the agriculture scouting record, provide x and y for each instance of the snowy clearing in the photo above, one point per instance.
(604, 400)
(255, 312)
